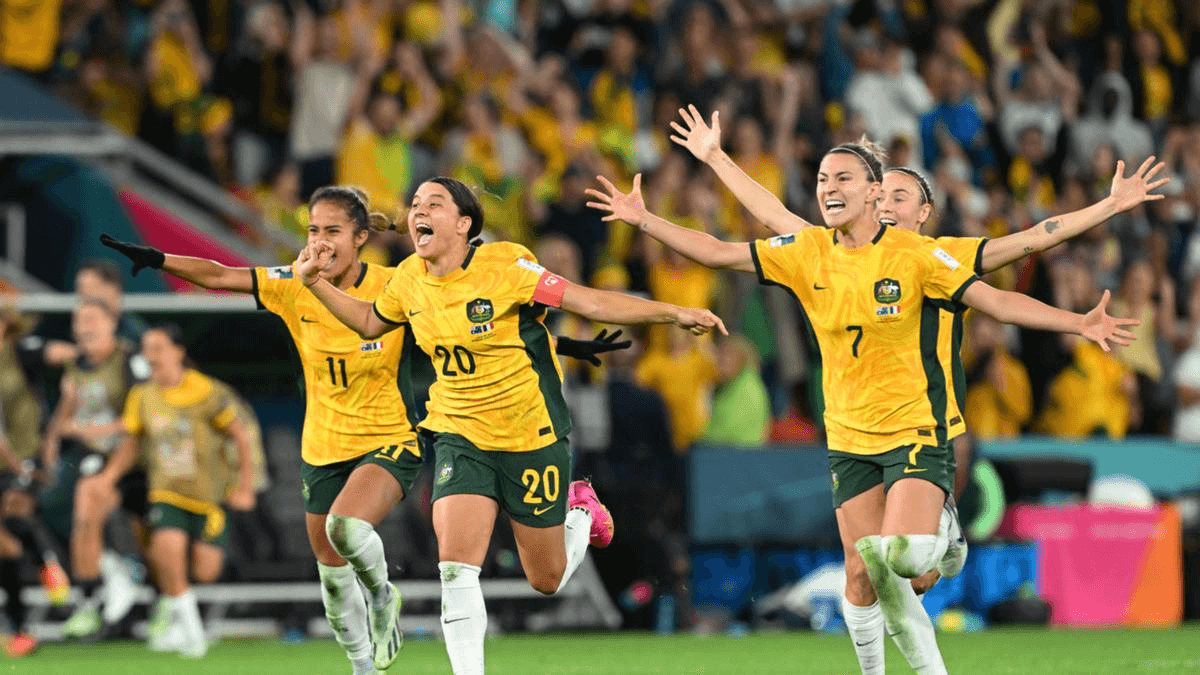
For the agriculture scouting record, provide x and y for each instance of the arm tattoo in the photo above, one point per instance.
(1051, 226)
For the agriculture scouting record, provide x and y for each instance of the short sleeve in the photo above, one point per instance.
(774, 259)
(966, 250)
(274, 288)
(131, 417)
(535, 283)
(224, 409)
(389, 306)
(945, 276)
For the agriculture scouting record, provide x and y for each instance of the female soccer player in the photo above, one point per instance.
(359, 452)
(179, 421)
(496, 413)
(871, 293)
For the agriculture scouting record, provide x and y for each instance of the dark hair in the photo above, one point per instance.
(466, 200)
(173, 332)
(356, 204)
(926, 191)
(869, 153)
(108, 271)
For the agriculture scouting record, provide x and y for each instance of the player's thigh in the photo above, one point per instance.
(377, 485)
(463, 524)
(95, 499)
(858, 517)
(543, 554)
(169, 555)
(918, 477)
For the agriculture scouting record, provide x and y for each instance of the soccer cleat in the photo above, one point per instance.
(54, 580)
(956, 544)
(120, 593)
(581, 495)
(20, 644)
(385, 630)
(85, 622)
(166, 638)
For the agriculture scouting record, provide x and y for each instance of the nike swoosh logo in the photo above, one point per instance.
(819, 288)
(461, 618)
(864, 644)
(414, 313)
(909, 469)
(538, 512)
(305, 319)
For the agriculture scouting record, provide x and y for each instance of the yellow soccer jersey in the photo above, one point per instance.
(498, 382)
(182, 434)
(969, 252)
(357, 392)
(875, 328)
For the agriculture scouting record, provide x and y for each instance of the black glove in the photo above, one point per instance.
(142, 256)
(586, 350)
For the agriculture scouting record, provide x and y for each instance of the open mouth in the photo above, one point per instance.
(834, 206)
(891, 222)
(424, 234)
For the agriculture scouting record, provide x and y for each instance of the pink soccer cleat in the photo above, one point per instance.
(582, 495)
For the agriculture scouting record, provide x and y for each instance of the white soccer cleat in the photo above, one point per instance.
(120, 589)
(385, 630)
(955, 558)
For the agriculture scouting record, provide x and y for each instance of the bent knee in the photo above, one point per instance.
(546, 583)
(910, 556)
(923, 583)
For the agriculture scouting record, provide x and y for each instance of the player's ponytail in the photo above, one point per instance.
(380, 223)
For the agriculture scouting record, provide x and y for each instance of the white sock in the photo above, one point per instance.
(188, 612)
(903, 614)
(866, 631)
(357, 541)
(911, 555)
(578, 530)
(464, 617)
(346, 609)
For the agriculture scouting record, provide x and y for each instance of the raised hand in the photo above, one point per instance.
(699, 321)
(702, 140)
(1100, 328)
(314, 259)
(630, 208)
(586, 350)
(141, 256)
(1129, 192)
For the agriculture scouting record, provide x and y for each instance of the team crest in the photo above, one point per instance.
(834, 477)
(444, 473)
(304, 489)
(887, 290)
(480, 310)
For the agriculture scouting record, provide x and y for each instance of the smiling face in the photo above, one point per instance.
(844, 191)
(434, 222)
(328, 221)
(902, 204)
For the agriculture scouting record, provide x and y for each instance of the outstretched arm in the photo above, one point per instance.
(619, 308)
(358, 315)
(200, 271)
(704, 142)
(1022, 310)
(698, 246)
(1126, 193)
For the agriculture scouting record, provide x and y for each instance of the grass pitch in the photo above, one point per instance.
(1034, 651)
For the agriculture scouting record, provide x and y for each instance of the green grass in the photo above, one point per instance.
(1057, 652)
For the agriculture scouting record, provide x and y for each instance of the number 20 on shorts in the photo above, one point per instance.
(547, 480)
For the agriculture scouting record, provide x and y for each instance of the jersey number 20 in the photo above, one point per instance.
(462, 356)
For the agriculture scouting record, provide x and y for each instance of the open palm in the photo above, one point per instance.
(700, 139)
(1101, 328)
(1138, 188)
(630, 207)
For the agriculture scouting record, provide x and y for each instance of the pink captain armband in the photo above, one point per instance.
(550, 289)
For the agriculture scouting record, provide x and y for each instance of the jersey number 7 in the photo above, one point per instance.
(857, 338)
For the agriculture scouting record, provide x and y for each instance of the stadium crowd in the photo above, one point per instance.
(1015, 110)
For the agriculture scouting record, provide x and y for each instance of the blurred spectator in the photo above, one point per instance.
(29, 31)
(683, 374)
(259, 81)
(888, 92)
(1154, 81)
(741, 409)
(1110, 121)
(701, 76)
(795, 426)
(955, 120)
(1141, 297)
(1091, 397)
(999, 400)
(570, 218)
(104, 281)
(1047, 95)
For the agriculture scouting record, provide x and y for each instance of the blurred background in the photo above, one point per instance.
(201, 127)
